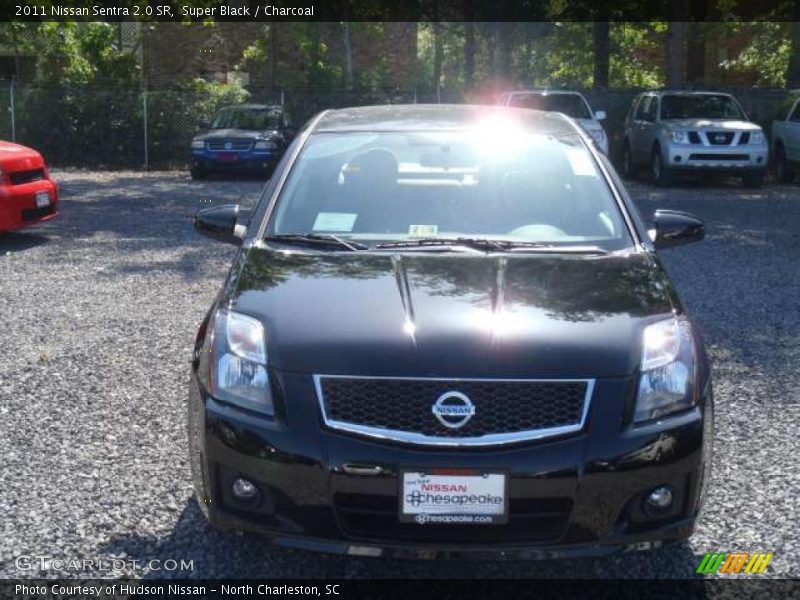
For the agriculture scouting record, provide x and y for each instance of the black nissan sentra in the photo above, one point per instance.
(448, 333)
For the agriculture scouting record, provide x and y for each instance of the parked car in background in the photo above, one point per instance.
(572, 104)
(786, 140)
(27, 193)
(671, 131)
(247, 137)
(448, 332)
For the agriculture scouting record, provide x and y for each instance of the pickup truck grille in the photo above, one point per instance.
(719, 138)
(504, 410)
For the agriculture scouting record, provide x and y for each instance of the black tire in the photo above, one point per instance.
(628, 167)
(198, 173)
(660, 174)
(754, 179)
(783, 172)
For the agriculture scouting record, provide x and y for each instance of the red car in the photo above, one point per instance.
(27, 194)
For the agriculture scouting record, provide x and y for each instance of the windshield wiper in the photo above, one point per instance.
(316, 239)
(488, 245)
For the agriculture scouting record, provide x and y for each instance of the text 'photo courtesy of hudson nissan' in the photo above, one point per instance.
(386, 300)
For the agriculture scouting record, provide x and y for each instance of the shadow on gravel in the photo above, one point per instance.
(19, 242)
(230, 555)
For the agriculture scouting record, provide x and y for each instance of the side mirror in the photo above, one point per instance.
(675, 228)
(219, 223)
(600, 115)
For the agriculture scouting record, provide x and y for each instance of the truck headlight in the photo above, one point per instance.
(198, 145)
(238, 365)
(757, 137)
(678, 136)
(666, 381)
(265, 145)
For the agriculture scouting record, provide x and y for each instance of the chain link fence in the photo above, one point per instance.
(121, 128)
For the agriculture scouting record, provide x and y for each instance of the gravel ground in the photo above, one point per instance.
(99, 309)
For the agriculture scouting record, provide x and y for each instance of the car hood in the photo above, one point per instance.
(711, 124)
(17, 158)
(230, 133)
(454, 315)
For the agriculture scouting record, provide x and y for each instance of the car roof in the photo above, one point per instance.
(543, 92)
(433, 117)
(256, 106)
(685, 93)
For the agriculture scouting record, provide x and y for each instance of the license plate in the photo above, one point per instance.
(42, 199)
(228, 156)
(453, 497)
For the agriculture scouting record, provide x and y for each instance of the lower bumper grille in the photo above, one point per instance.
(29, 214)
(20, 177)
(373, 517)
(728, 157)
(454, 411)
(230, 145)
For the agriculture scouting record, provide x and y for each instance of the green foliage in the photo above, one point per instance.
(766, 57)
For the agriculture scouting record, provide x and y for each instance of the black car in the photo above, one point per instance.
(448, 333)
(247, 137)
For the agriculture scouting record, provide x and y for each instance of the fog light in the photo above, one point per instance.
(677, 159)
(244, 489)
(759, 159)
(660, 499)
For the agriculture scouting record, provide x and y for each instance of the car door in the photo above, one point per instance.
(642, 129)
(791, 134)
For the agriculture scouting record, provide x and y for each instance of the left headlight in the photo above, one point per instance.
(265, 145)
(238, 365)
(757, 137)
(666, 382)
(198, 144)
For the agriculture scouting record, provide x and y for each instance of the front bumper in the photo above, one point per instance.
(747, 157)
(18, 205)
(588, 488)
(250, 160)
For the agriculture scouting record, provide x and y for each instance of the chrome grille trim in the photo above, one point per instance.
(419, 439)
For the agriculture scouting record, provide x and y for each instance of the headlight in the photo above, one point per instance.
(265, 145)
(666, 383)
(238, 365)
(198, 145)
(757, 137)
(678, 136)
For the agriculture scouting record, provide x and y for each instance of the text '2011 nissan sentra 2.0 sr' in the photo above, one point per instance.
(447, 333)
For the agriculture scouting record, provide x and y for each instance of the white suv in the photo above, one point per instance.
(572, 104)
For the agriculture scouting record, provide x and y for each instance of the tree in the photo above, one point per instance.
(602, 49)
(676, 43)
(793, 70)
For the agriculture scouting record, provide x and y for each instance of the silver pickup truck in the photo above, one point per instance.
(671, 131)
(786, 141)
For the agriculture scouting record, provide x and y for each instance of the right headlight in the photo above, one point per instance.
(678, 136)
(237, 369)
(666, 381)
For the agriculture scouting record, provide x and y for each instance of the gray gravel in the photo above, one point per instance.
(99, 310)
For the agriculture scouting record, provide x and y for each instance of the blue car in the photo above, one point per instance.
(243, 138)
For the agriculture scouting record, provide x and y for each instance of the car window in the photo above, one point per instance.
(495, 183)
(572, 105)
(795, 116)
(700, 106)
(248, 118)
(646, 109)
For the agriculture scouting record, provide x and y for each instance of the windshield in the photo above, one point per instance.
(571, 105)
(700, 106)
(247, 118)
(492, 184)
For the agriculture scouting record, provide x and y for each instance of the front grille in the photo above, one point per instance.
(20, 177)
(235, 145)
(744, 138)
(504, 410)
(719, 138)
(694, 137)
(726, 157)
(374, 517)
